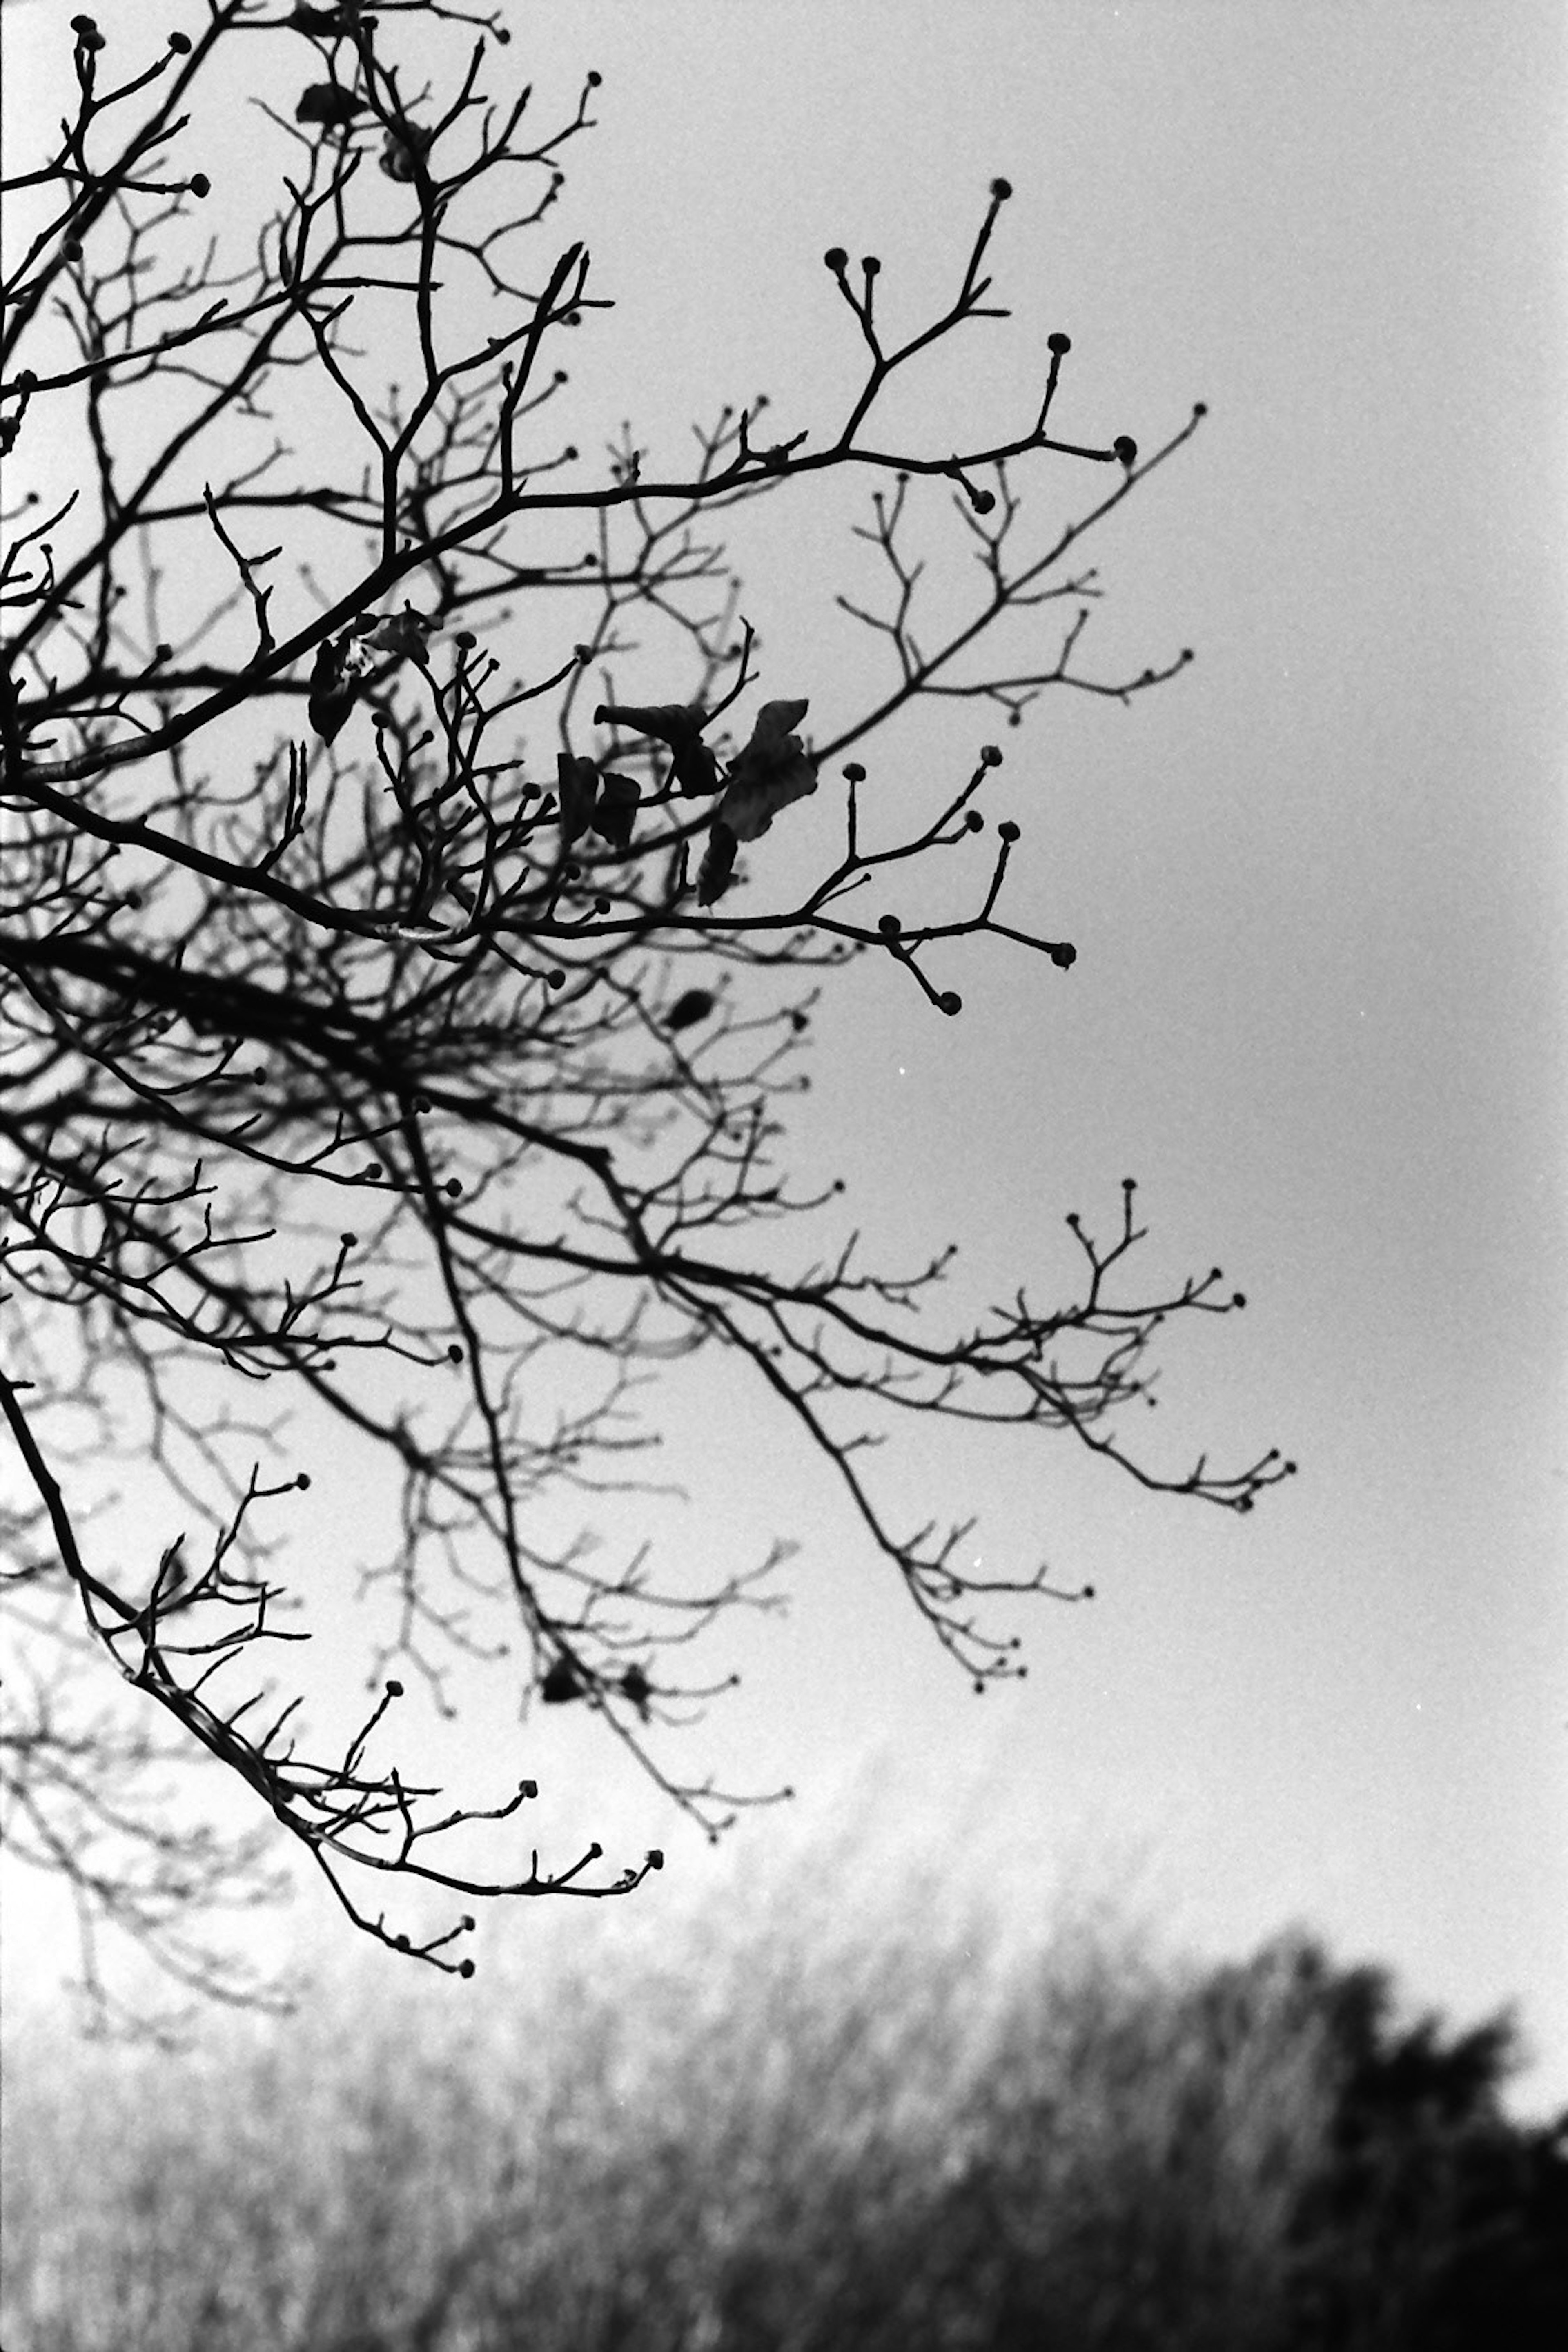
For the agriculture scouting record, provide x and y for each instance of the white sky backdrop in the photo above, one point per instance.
(1317, 889)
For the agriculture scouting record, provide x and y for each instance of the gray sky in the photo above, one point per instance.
(1316, 884)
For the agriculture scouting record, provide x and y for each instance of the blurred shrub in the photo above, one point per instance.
(794, 2124)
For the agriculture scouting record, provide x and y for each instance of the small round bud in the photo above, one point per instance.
(889, 926)
(421, 1104)
(395, 1689)
(973, 821)
(466, 1968)
(595, 79)
(836, 259)
(1001, 190)
(466, 1923)
(348, 1240)
(949, 1001)
(655, 1858)
(1064, 956)
(466, 641)
(453, 1188)
(1007, 829)
(83, 24)
(302, 1480)
(180, 44)
(71, 248)
(870, 265)
(375, 1172)
(1126, 449)
(400, 1943)
(990, 756)
(856, 772)
(453, 1353)
(554, 979)
(1200, 408)
(982, 500)
(1059, 343)
(199, 184)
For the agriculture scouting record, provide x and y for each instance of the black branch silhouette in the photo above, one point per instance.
(382, 1027)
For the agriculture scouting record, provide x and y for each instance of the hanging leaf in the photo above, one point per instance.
(615, 812)
(402, 150)
(695, 1004)
(771, 771)
(577, 782)
(401, 633)
(637, 1688)
(718, 865)
(328, 103)
(678, 724)
(334, 686)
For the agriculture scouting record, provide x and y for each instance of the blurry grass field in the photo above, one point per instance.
(810, 2121)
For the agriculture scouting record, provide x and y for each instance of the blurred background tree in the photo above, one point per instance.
(791, 2122)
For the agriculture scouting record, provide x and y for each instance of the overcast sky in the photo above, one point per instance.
(1317, 889)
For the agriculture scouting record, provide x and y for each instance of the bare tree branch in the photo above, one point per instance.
(361, 1049)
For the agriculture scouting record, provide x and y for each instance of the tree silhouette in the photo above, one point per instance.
(408, 1037)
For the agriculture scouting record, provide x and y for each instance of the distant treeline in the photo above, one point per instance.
(769, 2133)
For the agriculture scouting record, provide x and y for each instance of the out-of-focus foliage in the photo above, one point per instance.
(774, 2130)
